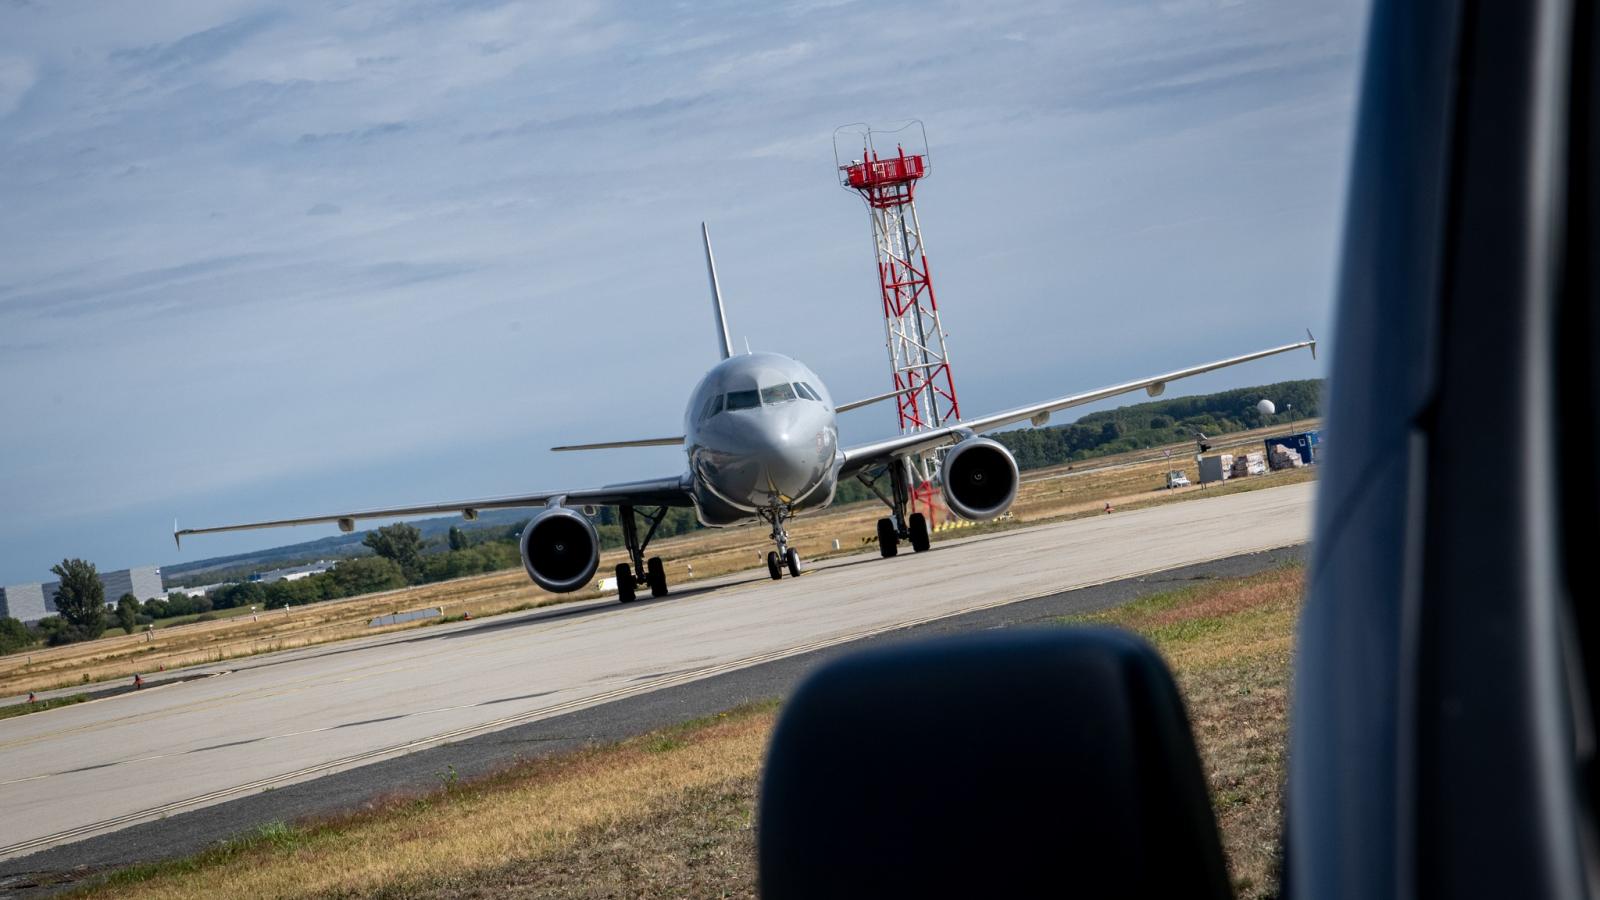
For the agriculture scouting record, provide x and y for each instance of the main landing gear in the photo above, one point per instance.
(890, 528)
(642, 571)
(785, 556)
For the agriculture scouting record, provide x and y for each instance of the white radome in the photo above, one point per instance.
(1266, 408)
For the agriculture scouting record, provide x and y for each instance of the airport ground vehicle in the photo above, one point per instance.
(1176, 479)
(1443, 715)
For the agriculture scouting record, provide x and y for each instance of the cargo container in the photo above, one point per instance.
(1307, 444)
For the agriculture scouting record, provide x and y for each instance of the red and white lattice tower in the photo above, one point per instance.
(918, 358)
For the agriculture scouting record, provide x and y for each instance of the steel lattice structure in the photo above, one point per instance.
(919, 360)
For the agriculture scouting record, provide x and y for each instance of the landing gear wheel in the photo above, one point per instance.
(792, 560)
(888, 541)
(624, 583)
(919, 532)
(772, 565)
(656, 577)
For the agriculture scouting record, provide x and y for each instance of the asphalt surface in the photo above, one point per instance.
(606, 672)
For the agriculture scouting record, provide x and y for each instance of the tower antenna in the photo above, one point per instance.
(919, 361)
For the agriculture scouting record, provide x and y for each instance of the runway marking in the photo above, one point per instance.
(669, 680)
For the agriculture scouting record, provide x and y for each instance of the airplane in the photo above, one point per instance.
(761, 438)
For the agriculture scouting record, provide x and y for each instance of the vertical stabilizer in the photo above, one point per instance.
(724, 345)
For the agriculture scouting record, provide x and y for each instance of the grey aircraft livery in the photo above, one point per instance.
(762, 440)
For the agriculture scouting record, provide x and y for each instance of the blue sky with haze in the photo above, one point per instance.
(263, 260)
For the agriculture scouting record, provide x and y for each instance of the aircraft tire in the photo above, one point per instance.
(656, 575)
(888, 541)
(772, 565)
(625, 583)
(919, 532)
(792, 560)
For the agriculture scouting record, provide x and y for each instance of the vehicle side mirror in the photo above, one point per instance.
(1055, 761)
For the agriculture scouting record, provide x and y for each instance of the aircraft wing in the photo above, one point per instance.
(865, 456)
(673, 491)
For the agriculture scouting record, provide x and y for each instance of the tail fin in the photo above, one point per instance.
(723, 344)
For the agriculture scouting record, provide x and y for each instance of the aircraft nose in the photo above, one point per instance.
(789, 461)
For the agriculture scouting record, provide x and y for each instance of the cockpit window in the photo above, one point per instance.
(713, 406)
(777, 393)
(743, 399)
(804, 390)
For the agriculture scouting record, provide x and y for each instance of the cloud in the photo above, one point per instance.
(17, 76)
(324, 209)
(355, 135)
(199, 47)
(666, 108)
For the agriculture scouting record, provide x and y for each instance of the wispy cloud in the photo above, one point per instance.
(355, 135)
(200, 47)
(17, 75)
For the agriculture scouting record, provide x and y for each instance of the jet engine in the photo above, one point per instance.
(980, 479)
(560, 550)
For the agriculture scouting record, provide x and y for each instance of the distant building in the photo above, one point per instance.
(294, 573)
(25, 602)
(200, 591)
(32, 602)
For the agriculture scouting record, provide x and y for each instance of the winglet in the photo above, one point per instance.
(723, 344)
(177, 536)
(1313, 339)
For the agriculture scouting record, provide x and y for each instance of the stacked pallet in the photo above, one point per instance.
(1249, 464)
(1285, 457)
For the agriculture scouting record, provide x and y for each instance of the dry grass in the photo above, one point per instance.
(1229, 644)
(671, 813)
(1127, 481)
(675, 804)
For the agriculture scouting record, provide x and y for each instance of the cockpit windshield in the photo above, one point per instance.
(768, 396)
(743, 399)
(777, 393)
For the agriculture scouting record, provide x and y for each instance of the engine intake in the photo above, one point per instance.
(980, 479)
(560, 550)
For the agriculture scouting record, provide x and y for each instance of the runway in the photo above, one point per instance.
(276, 720)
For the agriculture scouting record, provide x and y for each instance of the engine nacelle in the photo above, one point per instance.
(560, 550)
(980, 479)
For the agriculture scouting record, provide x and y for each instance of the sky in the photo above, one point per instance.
(268, 259)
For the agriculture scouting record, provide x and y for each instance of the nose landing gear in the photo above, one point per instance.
(785, 556)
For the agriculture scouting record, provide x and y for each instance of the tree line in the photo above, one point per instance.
(400, 557)
(1161, 422)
